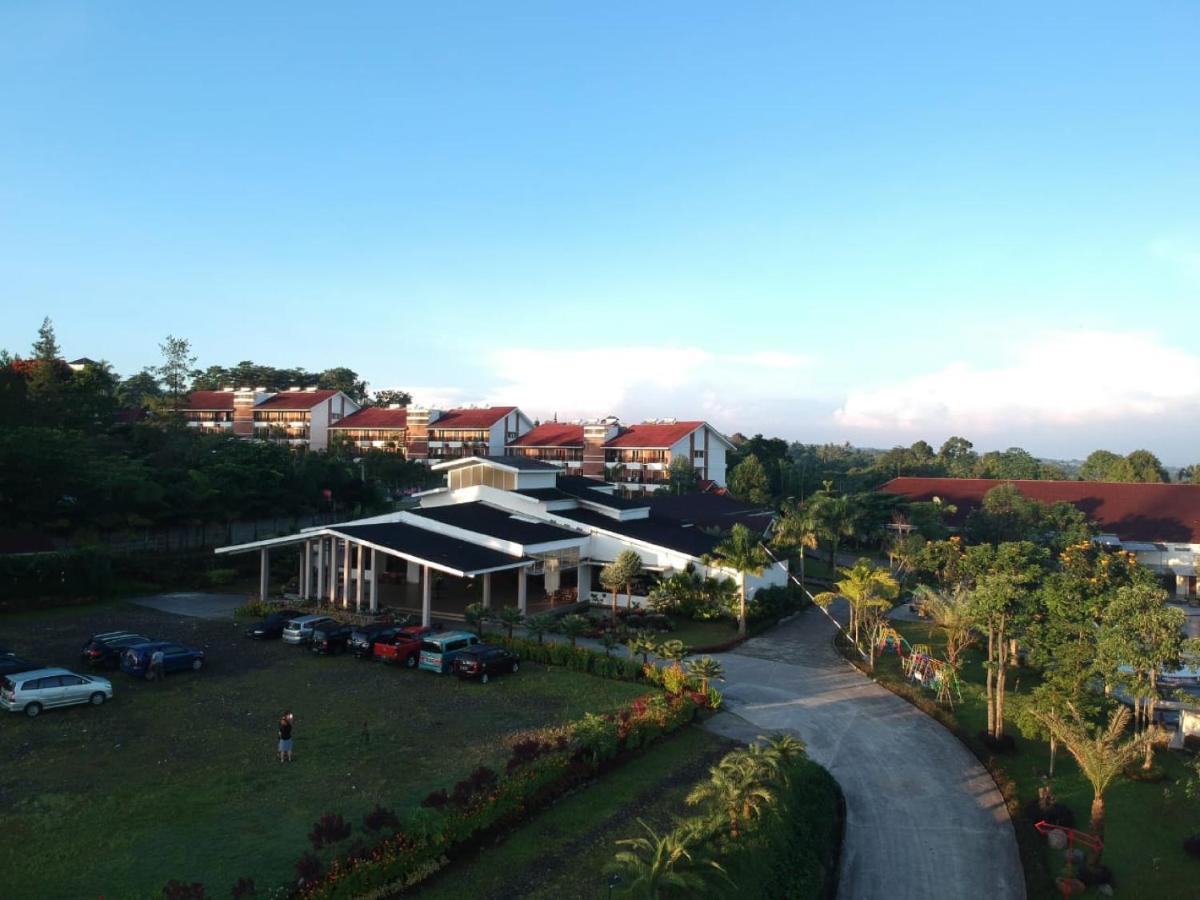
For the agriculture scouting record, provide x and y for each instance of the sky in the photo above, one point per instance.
(872, 221)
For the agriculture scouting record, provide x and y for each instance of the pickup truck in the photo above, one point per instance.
(405, 645)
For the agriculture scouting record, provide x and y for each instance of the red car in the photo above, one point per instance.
(404, 646)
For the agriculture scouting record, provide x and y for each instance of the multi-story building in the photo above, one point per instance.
(299, 417)
(435, 435)
(375, 428)
(636, 457)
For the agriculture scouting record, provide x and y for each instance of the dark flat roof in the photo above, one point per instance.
(524, 463)
(545, 494)
(585, 489)
(707, 510)
(498, 523)
(654, 530)
(432, 547)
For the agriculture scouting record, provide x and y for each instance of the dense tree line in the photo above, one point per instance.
(77, 455)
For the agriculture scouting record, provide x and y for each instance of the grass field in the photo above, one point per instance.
(181, 780)
(565, 851)
(1145, 822)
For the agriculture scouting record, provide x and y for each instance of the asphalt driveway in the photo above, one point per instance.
(924, 819)
(196, 605)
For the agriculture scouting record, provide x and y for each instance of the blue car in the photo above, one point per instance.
(438, 651)
(136, 659)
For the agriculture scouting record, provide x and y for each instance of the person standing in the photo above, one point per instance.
(156, 666)
(285, 738)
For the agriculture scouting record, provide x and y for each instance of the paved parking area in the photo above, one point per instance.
(196, 605)
(924, 818)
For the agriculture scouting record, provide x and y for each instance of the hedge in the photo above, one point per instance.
(541, 769)
(578, 659)
(66, 576)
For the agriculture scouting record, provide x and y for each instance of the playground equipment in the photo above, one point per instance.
(1062, 838)
(923, 668)
(891, 639)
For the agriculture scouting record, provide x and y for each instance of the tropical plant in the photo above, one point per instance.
(950, 610)
(538, 624)
(674, 651)
(609, 639)
(706, 669)
(611, 579)
(870, 591)
(510, 617)
(573, 627)
(476, 615)
(744, 553)
(641, 642)
(836, 518)
(796, 532)
(739, 788)
(668, 865)
(620, 573)
(1101, 753)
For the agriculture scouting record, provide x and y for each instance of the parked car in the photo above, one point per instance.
(299, 630)
(403, 645)
(363, 638)
(103, 651)
(31, 692)
(483, 661)
(10, 664)
(176, 657)
(272, 625)
(330, 638)
(439, 650)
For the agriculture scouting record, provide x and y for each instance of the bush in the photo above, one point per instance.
(770, 604)
(328, 830)
(243, 887)
(221, 577)
(308, 867)
(182, 890)
(43, 578)
(380, 818)
(1057, 814)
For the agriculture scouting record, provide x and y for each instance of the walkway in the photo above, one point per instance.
(924, 819)
(199, 605)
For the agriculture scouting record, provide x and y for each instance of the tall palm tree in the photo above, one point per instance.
(797, 530)
(836, 518)
(1101, 754)
(743, 552)
(669, 865)
(870, 591)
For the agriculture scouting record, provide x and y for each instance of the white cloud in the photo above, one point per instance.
(635, 382)
(1055, 379)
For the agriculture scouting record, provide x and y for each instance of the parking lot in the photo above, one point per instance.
(181, 779)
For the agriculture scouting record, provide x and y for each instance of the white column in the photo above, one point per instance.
(414, 572)
(345, 574)
(374, 580)
(306, 578)
(316, 594)
(522, 600)
(264, 573)
(427, 596)
(358, 588)
(487, 590)
(333, 571)
(584, 580)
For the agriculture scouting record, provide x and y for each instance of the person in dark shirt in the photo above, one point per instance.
(285, 737)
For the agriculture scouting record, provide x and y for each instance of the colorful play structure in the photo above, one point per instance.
(921, 666)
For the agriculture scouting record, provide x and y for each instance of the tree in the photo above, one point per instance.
(744, 553)
(45, 348)
(950, 610)
(612, 579)
(642, 643)
(668, 865)
(509, 617)
(1013, 463)
(175, 370)
(1100, 465)
(836, 518)
(345, 380)
(870, 591)
(748, 481)
(796, 532)
(706, 669)
(739, 787)
(139, 391)
(957, 455)
(476, 615)
(391, 398)
(1101, 754)
(538, 624)
(674, 651)
(628, 566)
(573, 627)
(682, 477)
(1145, 467)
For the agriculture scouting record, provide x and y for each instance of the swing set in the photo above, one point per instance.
(921, 666)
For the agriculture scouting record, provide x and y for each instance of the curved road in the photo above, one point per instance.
(923, 817)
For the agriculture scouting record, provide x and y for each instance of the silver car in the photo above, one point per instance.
(300, 629)
(31, 692)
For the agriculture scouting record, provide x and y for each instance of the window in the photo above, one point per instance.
(71, 680)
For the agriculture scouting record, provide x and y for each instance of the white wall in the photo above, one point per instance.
(318, 427)
(496, 434)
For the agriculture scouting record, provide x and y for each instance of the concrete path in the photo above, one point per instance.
(924, 819)
(201, 606)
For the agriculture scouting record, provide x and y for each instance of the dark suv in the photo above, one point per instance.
(271, 626)
(331, 639)
(482, 661)
(103, 651)
(11, 664)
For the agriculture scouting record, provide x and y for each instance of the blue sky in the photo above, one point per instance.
(869, 221)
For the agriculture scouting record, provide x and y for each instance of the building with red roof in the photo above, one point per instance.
(635, 456)
(374, 428)
(300, 418)
(1158, 522)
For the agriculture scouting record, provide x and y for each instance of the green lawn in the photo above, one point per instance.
(181, 781)
(1145, 823)
(565, 851)
(702, 634)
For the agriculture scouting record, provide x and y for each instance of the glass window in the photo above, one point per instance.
(71, 680)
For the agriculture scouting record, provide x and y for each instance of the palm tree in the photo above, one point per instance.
(538, 624)
(510, 617)
(668, 865)
(796, 530)
(706, 669)
(674, 651)
(573, 626)
(870, 591)
(950, 610)
(476, 615)
(641, 642)
(1101, 754)
(611, 579)
(744, 553)
(835, 518)
(738, 787)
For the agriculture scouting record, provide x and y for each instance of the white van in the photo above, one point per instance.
(31, 692)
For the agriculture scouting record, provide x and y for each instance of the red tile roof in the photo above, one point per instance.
(210, 400)
(374, 417)
(552, 434)
(653, 436)
(471, 418)
(296, 400)
(1151, 513)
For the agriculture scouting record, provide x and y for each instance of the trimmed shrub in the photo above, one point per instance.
(329, 829)
(380, 818)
